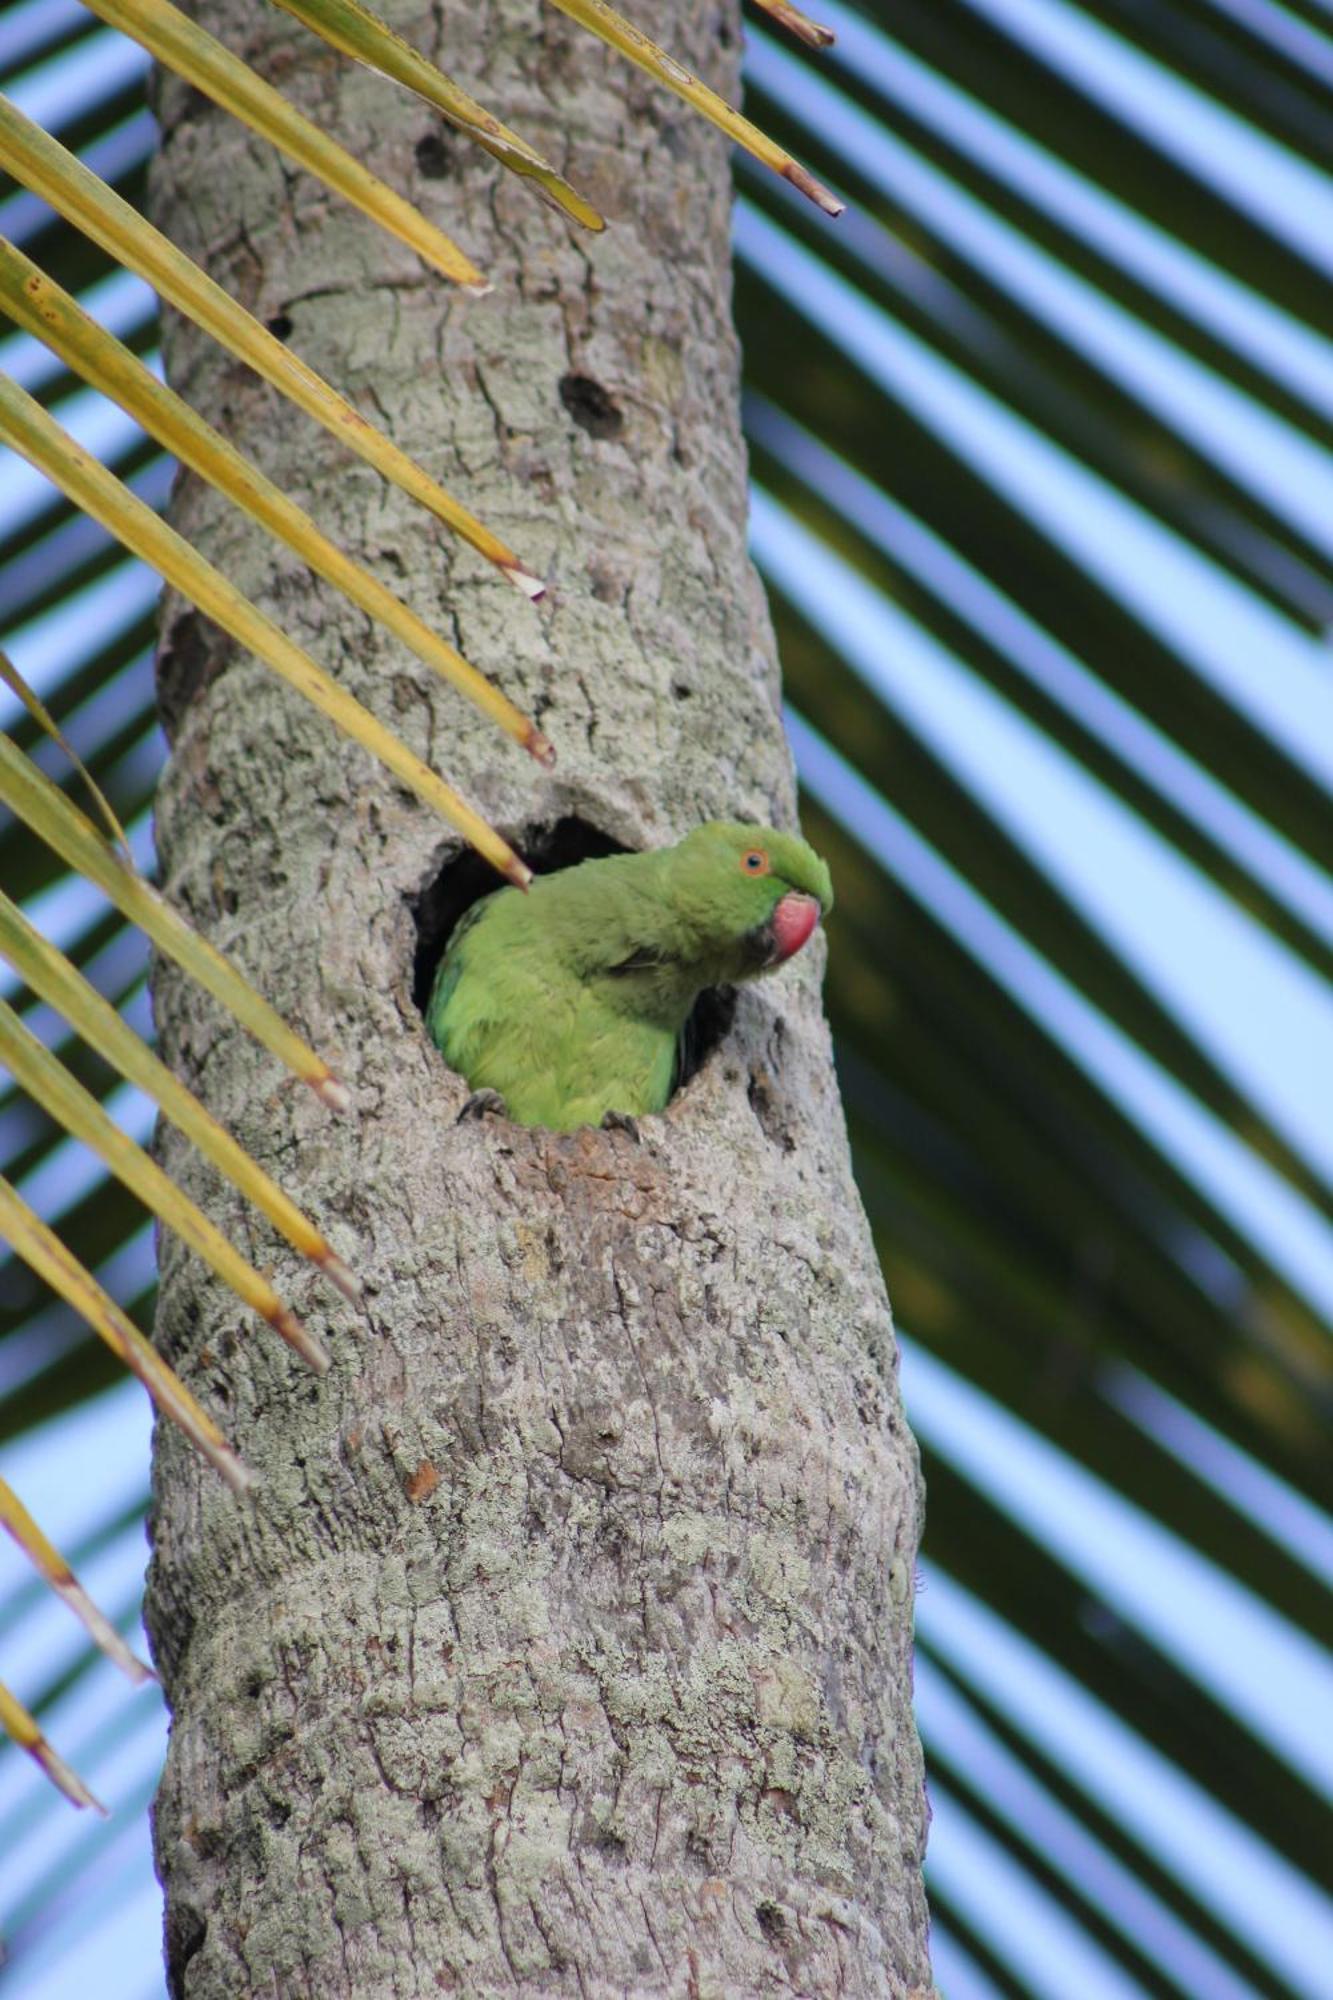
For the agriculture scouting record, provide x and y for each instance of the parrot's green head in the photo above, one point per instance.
(752, 890)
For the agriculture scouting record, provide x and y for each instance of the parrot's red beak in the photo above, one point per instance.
(792, 924)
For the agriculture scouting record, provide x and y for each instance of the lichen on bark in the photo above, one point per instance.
(565, 1647)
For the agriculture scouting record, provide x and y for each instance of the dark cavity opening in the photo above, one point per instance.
(771, 1922)
(193, 653)
(592, 409)
(280, 326)
(464, 880)
(434, 156)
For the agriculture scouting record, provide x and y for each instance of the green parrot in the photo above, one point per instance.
(568, 1002)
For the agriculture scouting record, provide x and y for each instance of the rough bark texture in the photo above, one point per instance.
(565, 1648)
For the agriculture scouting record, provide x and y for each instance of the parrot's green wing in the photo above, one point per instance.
(644, 958)
(652, 958)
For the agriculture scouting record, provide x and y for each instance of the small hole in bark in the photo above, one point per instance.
(437, 908)
(434, 156)
(771, 1922)
(280, 326)
(680, 692)
(193, 653)
(592, 409)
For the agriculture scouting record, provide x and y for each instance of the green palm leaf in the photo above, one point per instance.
(1086, 628)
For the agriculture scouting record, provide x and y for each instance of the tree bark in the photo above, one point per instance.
(565, 1648)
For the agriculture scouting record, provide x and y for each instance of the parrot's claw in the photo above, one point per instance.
(622, 1121)
(482, 1104)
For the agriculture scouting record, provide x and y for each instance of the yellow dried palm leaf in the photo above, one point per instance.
(50, 1084)
(27, 428)
(47, 1560)
(30, 794)
(17, 1722)
(42, 1250)
(49, 973)
(36, 303)
(179, 44)
(362, 35)
(40, 714)
(42, 164)
(620, 34)
(813, 33)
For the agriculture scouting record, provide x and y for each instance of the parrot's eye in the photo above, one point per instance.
(755, 862)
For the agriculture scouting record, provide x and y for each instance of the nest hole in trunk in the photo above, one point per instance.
(466, 878)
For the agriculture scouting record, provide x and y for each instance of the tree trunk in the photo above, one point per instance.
(565, 1647)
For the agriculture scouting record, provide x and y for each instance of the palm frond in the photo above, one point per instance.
(47, 311)
(43, 807)
(30, 432)
(41, 715)
(363, 36)
(813, 33)
(41, 164)
(17, 1723)
(40, 1247)
(1045, 517)
(630, 42)
(49, 1563)
(50, 975)
(189, 51)
(50, 1085)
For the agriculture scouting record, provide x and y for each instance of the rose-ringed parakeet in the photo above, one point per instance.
(569, 1001)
